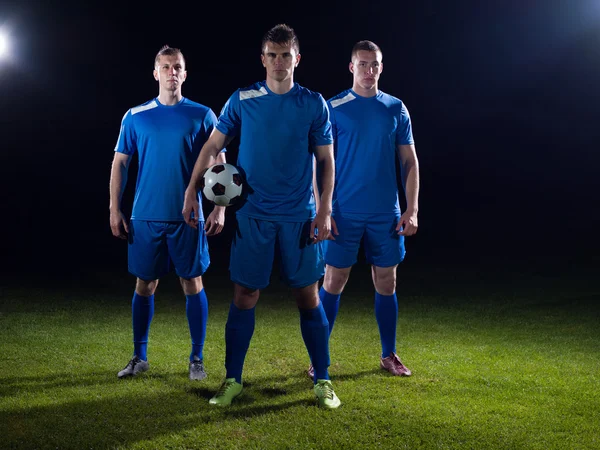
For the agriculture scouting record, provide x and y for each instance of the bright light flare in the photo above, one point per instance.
(3, 44)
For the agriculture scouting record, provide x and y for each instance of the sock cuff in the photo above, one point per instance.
(138, 297)
(200, 295)
(385, 297)
(325, 296)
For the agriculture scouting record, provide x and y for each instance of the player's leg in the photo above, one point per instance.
(188, 249)
(250, 265)
(302, 266)
(386, 306)
(340, 256)
(385, 250)
(148, 260)
(196, 308)
(334, 281)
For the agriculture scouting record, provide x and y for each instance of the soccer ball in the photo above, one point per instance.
(222, 184)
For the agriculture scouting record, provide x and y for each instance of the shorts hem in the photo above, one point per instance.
(248, 286)
(303, 285)
(190, 277)
(146, 278)
(340, 266)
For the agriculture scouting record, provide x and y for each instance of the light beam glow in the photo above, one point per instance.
(3, 44)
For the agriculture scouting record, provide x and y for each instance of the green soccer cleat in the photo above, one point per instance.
(325, 395)
(229, 390)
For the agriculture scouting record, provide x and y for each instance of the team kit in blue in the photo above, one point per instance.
(280, 186)
(168, 140)
(279, 134)
(279, 209)
(367, 131)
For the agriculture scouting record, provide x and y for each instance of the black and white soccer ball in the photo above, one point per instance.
(222, 184)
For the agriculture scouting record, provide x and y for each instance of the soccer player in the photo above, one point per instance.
(370, 128)
(167, 133)
(282, 125)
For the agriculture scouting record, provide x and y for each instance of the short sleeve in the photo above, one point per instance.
(126, 143)
(320, 132)
(404, 134)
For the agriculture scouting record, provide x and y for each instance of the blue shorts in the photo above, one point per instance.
(154, 245)
(253, 253)
(383, 246)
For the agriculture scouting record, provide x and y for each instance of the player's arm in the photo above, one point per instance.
(322, 222)
(410, 179)
(216, 219)
(118, 180)
(316, 185)
(209, 153)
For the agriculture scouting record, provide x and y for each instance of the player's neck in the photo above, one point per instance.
(372, 92)
(280, 87)
(169, 98)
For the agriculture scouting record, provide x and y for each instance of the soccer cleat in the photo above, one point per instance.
(133, 367)
(229, 390)
(325, 395)
(394, 366)
(197, 371)
(311, 372)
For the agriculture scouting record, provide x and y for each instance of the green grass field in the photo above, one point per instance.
(499, 362)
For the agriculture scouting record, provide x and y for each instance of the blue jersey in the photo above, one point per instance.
(277, 134)
(366, 132)
(168, 140)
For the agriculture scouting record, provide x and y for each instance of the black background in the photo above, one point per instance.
(503, 97)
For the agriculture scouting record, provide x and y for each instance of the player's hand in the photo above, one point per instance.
(334, 229)
(215, 221)
(118, 225)
(191, 209)
(320, 228)
(408, 223)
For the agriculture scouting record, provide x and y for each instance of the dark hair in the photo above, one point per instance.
(168, 51)
(281, 34)
(369, 46)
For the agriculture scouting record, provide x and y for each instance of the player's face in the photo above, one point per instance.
(279, 60)
(170, 72)
(366, 67)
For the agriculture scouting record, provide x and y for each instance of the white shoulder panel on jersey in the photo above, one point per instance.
(253, 93)
(138, 109)
(341, 101)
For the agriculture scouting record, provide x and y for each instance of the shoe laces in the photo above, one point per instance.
(395, 360)
(132, 363)
(224, 387)
(197, 364)
(326, 389)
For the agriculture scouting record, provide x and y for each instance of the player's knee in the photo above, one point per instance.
(245, 298)
(384, 280)
(191, 286)
(307, 297)
(145, 288)
(335, 279)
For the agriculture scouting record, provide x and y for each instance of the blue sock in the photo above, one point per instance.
(315, 332)
(196, 308)
(238, 333)
(142, 311)
(331, 304)
(386, 313)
